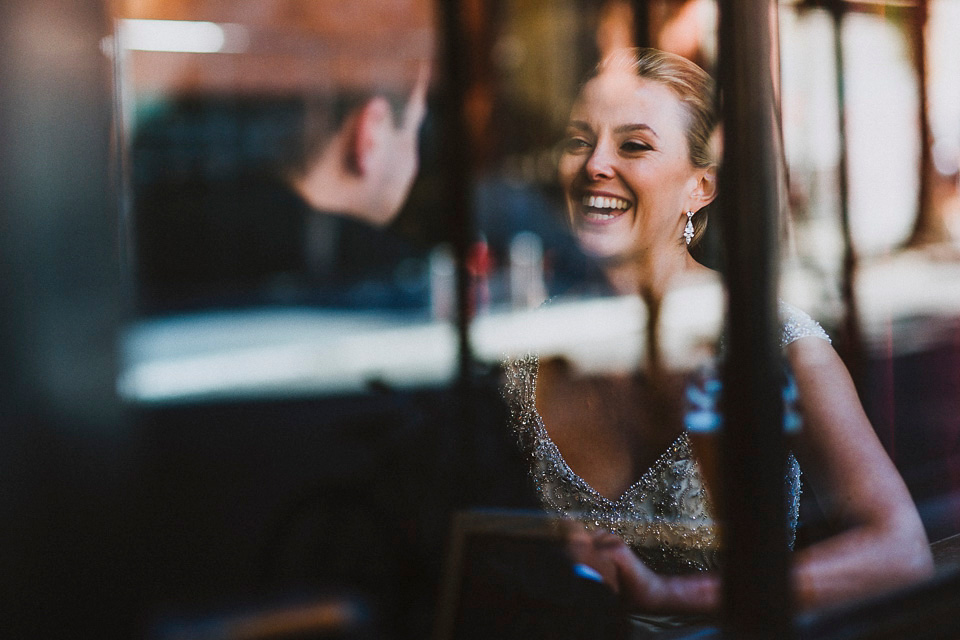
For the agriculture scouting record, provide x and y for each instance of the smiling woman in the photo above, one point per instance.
(636, 166)
(611, 451)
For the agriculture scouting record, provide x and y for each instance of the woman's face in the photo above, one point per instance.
(625, 167)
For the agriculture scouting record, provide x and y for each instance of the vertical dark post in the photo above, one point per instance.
(929, 227)
(456, 162)
(641, 22)
(456, 157)
(64, 450)
(849, 343)
(757, 598)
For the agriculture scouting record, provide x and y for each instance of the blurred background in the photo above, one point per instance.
(218, 406)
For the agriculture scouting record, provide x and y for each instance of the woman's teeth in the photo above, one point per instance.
(602, 202)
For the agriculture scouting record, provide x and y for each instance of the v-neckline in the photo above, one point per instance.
(682, 442)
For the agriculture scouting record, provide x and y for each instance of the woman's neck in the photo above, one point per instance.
(649, 274)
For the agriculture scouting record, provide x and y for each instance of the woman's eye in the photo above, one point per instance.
(632, 146)
(573, 144)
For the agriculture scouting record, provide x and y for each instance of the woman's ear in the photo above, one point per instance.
(365, 133)
(706, 189)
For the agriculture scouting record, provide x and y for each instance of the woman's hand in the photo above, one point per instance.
(589, 558)
(638, 586)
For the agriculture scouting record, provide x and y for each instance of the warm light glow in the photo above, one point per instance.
(181, 36)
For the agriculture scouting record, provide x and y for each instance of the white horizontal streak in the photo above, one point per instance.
(181, 36)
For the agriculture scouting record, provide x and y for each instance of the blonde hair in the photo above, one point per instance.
(695, 89)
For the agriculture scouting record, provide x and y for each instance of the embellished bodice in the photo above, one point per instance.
(665, 516)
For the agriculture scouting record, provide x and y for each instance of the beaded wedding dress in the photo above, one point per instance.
(665, 516)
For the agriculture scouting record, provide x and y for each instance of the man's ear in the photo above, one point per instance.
(706, 189)
(365, 132)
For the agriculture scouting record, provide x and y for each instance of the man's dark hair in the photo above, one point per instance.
(322, 116)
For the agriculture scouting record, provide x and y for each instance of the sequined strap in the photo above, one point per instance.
(797, 324)
(519, 389)
(520, 383)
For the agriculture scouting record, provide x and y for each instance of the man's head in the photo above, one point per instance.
(365, 166)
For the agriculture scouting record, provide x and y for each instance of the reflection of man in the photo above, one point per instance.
(365, 169)
(309, 232)
(354, 183)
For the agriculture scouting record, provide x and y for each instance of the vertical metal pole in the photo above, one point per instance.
(123, 106)
(929, 227)
(850, 331)
(456, 155)
(641, 22)
(757, 598)
(456, 162)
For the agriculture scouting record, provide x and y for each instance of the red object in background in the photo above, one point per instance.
(479, 266)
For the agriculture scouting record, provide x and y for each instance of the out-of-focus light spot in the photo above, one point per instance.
(181, 36)
(946, 157)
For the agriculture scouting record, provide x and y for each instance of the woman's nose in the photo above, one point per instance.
(600, 163)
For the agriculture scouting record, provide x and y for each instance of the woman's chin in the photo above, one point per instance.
(601, 247)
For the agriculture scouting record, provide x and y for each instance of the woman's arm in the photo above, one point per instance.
(881, 545)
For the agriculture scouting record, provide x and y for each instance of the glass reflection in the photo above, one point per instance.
(245, 292)
(269, 168)
(637, 172)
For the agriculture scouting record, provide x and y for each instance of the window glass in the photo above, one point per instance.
(290, 234)
(255, 248)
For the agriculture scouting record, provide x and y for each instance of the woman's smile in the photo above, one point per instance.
(602, 208)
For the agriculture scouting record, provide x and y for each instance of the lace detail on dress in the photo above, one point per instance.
(798, 324)
(666, 515)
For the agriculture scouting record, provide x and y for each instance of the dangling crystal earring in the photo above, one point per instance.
(688, 230)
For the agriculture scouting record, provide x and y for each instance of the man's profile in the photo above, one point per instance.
(304, 226)
(367, 165)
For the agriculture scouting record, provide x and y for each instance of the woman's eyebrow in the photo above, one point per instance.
(578, 124)
(630, 128)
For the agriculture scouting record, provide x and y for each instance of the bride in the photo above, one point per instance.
(637, 172)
